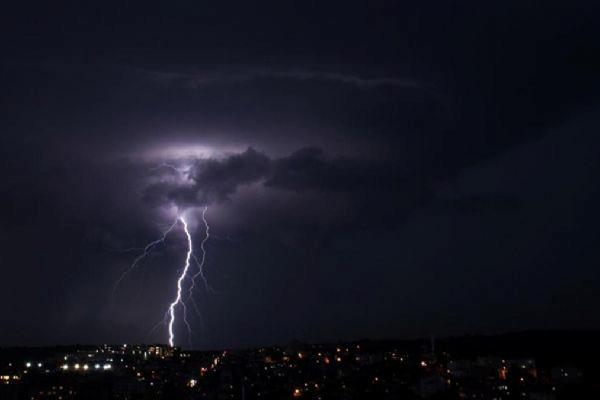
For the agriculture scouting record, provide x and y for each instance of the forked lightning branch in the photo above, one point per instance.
(178, 305)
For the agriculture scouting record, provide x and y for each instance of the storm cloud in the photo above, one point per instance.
(433, 153)
(309, 169)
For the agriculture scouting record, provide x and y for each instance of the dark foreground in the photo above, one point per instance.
(532, 365)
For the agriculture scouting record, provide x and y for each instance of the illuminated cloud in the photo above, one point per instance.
(208, 181)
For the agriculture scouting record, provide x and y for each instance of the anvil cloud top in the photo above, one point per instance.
(371, 169)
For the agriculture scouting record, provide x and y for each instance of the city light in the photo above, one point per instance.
(297, 375)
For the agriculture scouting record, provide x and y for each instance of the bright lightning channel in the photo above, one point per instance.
(171, 312)
(179, 283)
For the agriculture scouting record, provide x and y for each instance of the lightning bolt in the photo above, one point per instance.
(170, 315)
(200, 273)
(200, 263)
(180, 280)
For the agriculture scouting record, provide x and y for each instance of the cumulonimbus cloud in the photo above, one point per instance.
(210, 181)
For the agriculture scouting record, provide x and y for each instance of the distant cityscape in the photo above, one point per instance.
(461, 368)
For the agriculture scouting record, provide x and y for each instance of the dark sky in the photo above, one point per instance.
(371, 169)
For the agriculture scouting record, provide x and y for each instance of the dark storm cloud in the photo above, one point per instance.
(359, 112)
(214, 180)
(308, 169)
(220, 178)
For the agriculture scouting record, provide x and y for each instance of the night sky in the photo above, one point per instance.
(381, 169)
